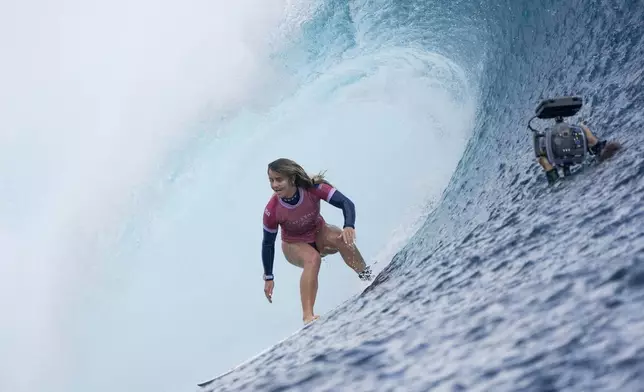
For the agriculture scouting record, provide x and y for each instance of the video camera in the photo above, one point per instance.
(562, 144)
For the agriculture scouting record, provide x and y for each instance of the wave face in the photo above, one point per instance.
(508, 284)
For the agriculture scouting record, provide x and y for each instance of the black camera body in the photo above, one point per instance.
(562, 144)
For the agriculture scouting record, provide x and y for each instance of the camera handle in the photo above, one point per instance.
(530, 126)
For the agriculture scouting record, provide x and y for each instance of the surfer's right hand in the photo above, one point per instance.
(268, 290)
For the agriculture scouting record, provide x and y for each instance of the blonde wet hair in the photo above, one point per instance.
(296, 173)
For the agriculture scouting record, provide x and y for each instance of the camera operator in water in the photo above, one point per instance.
(562, 145)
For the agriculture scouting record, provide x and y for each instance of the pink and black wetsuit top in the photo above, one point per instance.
(300, 219)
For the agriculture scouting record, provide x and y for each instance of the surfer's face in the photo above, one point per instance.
(281, 184)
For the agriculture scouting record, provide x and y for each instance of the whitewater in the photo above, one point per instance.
(134, 139)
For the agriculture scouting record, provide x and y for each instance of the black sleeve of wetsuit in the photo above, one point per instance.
(348, 208)
(268, 251)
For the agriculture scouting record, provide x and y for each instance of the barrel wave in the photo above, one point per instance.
(508, 284)
(134, 141)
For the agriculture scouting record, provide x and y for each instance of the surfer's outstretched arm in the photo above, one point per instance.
(268, 252)
(338, 200)
(346, 205)
(333, 239)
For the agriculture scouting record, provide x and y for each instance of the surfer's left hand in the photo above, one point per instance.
(349, 235)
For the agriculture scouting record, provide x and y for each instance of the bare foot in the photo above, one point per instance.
(308, 320)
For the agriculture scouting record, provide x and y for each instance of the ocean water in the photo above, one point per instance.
(508, 284)
(134, 140)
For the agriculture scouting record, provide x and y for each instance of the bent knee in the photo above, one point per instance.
(334, 240)
(312, 261)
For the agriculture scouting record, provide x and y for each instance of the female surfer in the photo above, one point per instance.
(306, 237)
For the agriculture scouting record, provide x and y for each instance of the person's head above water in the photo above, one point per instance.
(286, 175)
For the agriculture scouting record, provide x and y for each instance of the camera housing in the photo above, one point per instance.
(562, 144)
(558, 107)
